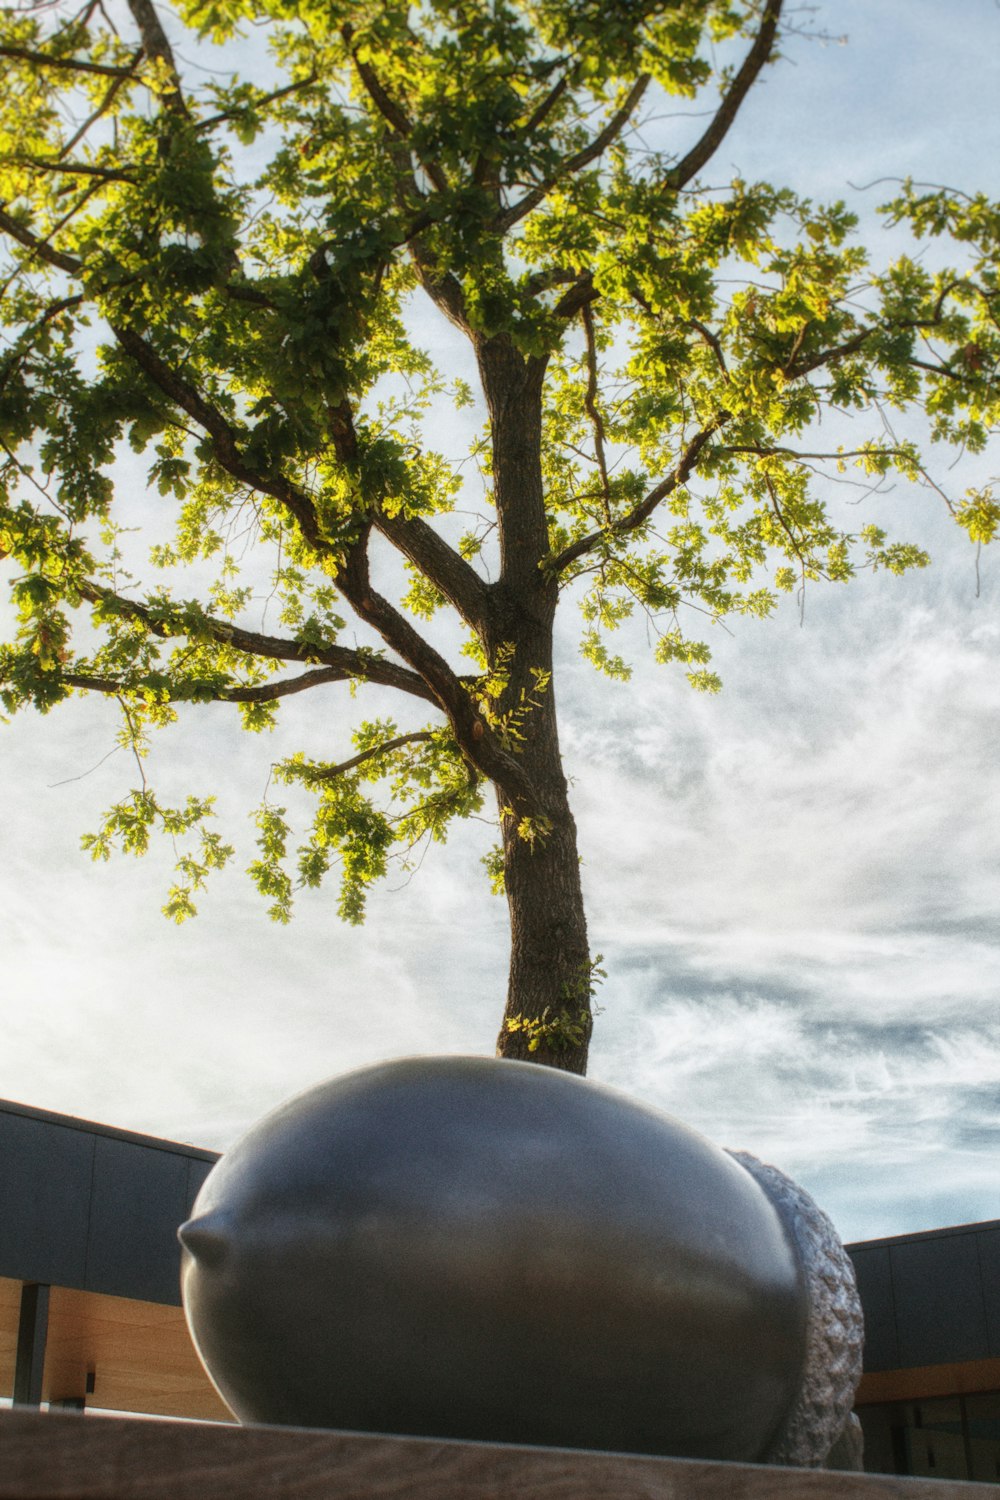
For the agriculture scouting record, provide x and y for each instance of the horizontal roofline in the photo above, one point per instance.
(93, 1127)
(979, 1227)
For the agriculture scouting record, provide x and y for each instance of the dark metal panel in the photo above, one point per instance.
(197, 1172)
(32, 1334)
(988, 1244)
(874, 1272)
(140, 1197)
(45, 1173)
(939, 1293)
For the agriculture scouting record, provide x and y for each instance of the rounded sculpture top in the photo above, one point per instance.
(474, 1248)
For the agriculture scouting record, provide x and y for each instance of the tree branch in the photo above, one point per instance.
(224, 438)
(268, 692)
(759, 54)
(38, 246)
(392, 113)
(244, 292)
(440, 564)
(932, 369)
(767, 450)
(444, 291)
(240, 292)
(590, 403)
(793, 540)
(795, 370)
(156, 46)
(574, 164)
(73, 168)
(547, 280)
(265, 692)
(712, 340)
(437, 681)
(23, 345)
(105, 103)
(445, 568)
(342, 663)
(479, 746)
(577, 297)
(354, 582)
(330, 773)
(545, 106)
(68, 64)
(641, 512)
(223, 116)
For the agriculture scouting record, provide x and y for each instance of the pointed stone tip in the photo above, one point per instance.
(205, 1240)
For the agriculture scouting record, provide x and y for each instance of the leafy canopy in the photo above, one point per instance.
(232, 280)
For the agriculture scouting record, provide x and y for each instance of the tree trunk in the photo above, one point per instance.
(548, 1013)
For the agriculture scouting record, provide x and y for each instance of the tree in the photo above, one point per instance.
(225, 277)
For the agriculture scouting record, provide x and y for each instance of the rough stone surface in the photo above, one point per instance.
(848, 1452)
(835, 1329)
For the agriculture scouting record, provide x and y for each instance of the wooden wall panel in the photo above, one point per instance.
(922, 1382)
(139, 1353)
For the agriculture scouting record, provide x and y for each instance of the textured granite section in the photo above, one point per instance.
(835, 1327)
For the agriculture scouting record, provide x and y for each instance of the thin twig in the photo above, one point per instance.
(641, 513)
(590, 402)
(330, 773)
(133, 740)
(577, 162)
(105, 104)
(67, 780)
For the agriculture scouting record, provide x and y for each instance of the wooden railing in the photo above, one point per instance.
(45, 1456)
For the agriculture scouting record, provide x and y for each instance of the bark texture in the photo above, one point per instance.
(548, 1013)
(548, 1017)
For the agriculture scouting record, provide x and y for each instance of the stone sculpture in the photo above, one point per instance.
(470, 1248)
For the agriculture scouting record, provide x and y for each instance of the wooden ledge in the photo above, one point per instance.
(49, 1456)
(922, 1382)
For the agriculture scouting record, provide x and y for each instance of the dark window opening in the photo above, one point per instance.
(948, 1437)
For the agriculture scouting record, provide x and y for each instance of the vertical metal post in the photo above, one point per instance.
(966, 1439)
(32, 1331)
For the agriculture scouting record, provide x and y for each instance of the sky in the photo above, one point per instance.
(794, 884)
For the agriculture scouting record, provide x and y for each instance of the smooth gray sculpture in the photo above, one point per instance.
(473, 1248)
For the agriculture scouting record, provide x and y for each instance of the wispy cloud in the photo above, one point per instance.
(796, 887)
